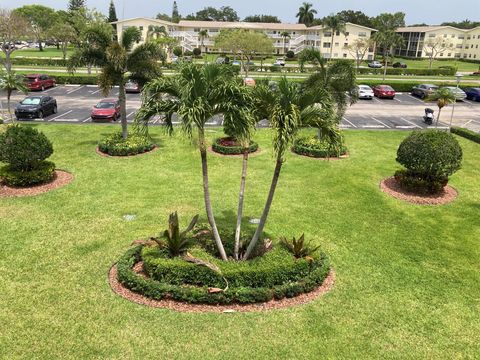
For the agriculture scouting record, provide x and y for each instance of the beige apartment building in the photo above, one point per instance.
(299, 36)
(452, 42)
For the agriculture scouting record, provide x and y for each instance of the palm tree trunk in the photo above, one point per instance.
(240, 203)
(384, 65)
(9, 95)
(8, 62)
(266, 210)
(331, 46)
(123, 109)
(438, 117)
(206, 194)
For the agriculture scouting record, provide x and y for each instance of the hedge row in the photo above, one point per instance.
(232, 150)
(450, 71)
(466, 133)
(157, 290)
(38, 62)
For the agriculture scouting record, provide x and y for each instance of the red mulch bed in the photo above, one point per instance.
(393, 188)
(61, 178)
(255, 153)
(97, 150)
(170, 304)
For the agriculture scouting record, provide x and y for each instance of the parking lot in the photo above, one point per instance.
(402, 113)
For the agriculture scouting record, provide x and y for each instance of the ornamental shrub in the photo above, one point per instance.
(115, 145)
(197, 52)
(430, 157)
(177, 51)
(290, 54)
(314, 147)
(44, 173)
(24, 148)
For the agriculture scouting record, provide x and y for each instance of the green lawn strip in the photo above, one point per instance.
(406, 275)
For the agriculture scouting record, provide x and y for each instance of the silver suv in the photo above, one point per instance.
(424, 90)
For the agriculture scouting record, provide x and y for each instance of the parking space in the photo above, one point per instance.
(405, 112)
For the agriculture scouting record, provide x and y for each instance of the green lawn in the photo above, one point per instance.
(407, 277)
(425, 64)
(48, 52)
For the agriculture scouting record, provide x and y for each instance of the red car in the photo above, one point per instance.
(39, 82)
(384, 91)
(106, 110)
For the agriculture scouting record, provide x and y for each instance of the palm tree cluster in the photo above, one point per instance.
(306, 14)
(197, 94)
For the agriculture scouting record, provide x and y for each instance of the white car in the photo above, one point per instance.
(365, 92)
(279, 61)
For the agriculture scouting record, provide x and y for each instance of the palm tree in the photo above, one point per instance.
(196, 95)
(156, 31)
(285, 35)
(202, 35)
(116, 59)
(287, 108)
(10, 81)
(443, 97)
(387, 40)
(306, 14)
(336, 25)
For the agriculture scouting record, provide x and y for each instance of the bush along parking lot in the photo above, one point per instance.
(467, 134)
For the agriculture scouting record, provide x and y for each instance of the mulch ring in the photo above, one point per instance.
(170, 304)
(392, 187)
(257, 152)
(341, 157)
(61, 178)
(97, 150)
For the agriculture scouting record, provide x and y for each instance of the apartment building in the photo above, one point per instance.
(454, 42)
(299, 36)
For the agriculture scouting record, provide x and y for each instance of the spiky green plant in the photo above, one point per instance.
(174, 240)
(298, 247)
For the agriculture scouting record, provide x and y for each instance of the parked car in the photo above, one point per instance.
(236, 63)
(459, 93)
(384, 91)
(132, 86)
(473, 94)
(33, 107)
(399, 65)
(364, 92)
(222, 60)
(375, 64)
(424, 90)
(39, 82)
(280, 61)
(106, 110)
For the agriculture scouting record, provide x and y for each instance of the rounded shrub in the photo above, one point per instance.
(45, 172)
(197, 51)
(177, 51)
(24, 148)
(115, 145)
(430, 157)
(314, 147)
(228, 146)
(290, 54)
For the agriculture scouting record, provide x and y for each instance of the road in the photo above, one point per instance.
(403, 113)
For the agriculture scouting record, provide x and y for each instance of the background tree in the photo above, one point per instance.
(359, 48)
(40, 18)
(443, 97)
(225, 13)
(13, 27)
(262, 19)
(306, 14)
(175, 14)
(435, 46)
(155, 32)
(202, 35)
(9, 81)
(244, 43)
(116, 59)
(63, 34)
(196, 94)
(285, 35)
(355, 17)
(74, 5)
(112, 16)
(337, 26)
(165, 17)
(464, 24)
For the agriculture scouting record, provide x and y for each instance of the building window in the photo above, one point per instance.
(344, 55)
(345, 44)
(449, 54)
(347, 33)
(461, 37)
(362, 34)
(338, 33)
(337, 44)
(469, 37)
(470, 55)
(457, 55)
(327, 34)
(432, 35)
(441, 55)
(459, 46)
(196, 29)
(326, 45)
(140, 28)
(445, 35)
(453, 36)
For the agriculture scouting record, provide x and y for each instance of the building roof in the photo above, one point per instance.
(241, 25)
(427, 28)
(320, 27)
(162, 22)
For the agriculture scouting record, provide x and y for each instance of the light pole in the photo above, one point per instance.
(459, 79)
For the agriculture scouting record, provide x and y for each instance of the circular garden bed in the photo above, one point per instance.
(147, 271)
(313, 147)
(59, 179)
(229, 146)
(115, 145)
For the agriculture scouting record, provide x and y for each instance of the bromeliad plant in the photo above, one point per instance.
(298, 247)
(174, 240)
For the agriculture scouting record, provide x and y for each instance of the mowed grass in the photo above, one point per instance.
(407, 277)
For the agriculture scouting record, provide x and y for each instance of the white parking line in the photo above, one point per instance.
(376, 100)
(133, 112)
(373, 126)
(404, 127)
(86, 120)
(72, 91)
(380, 122)
(414, 98)
(59, 116)
(52, 88)
(408, 121)
(348, 121)
(343, 126)
(397, 99)
(95, 92)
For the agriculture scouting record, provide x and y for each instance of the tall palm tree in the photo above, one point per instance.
(443, 97)
(285, 35)
(306, 14)
(196, 95)
(287, 107)
(387, 40)
(156, 31)
(116, 59)
(9, 81)
(202, 35)
(335, 24)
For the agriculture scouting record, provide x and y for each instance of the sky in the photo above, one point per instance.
(418, 11)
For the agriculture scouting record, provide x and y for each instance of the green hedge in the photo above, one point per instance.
(38, 62)
(76, 79)
(315, 148)
(232, 150)
(466, 133)
(192, 294)
(115, 145)
(43, 173)
(450, 71)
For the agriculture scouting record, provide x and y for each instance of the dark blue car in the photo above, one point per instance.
(473, 94)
